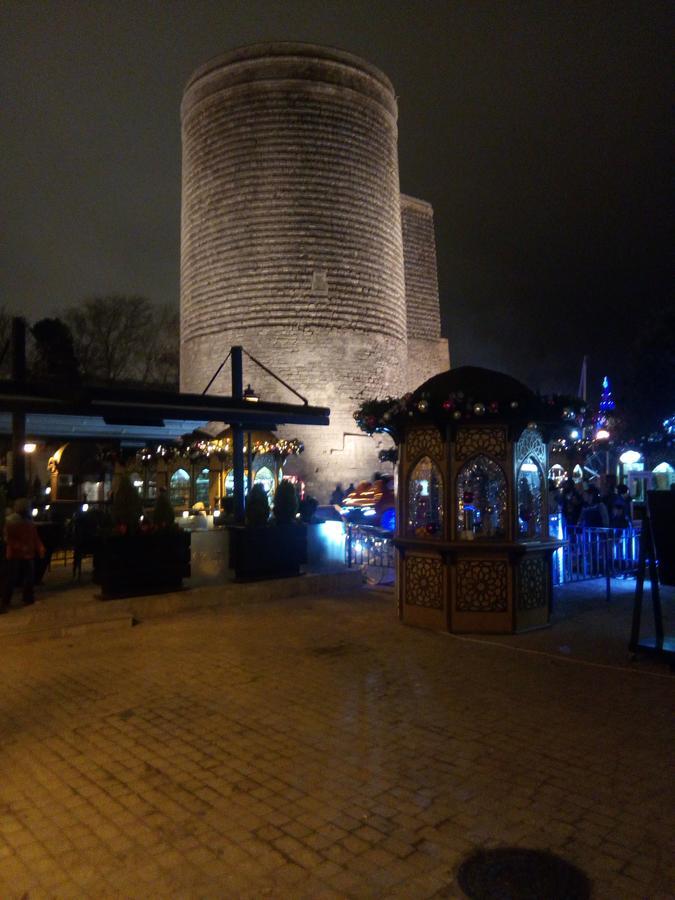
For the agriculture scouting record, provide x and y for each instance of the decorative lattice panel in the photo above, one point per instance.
(529, 444)
(491, 441)
(424, 581)
(482, 585)
(426, 441)
(532, 582)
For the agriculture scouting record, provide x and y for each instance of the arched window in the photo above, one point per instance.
(530, 482)
(557, 474)
(481, 499)
(179, 488)
(425, 500)
(202, 487)
(265, 477)
(137, 480)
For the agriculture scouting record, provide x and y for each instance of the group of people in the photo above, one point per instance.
(592, 506)
(22, 547)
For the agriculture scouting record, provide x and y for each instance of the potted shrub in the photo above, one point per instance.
(141, 557)
(264, 549)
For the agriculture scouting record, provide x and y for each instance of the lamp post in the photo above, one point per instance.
(29, 449)
(238, 437)
(251, 396)
(603, 435)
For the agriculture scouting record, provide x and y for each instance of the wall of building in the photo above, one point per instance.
(427, 352)
(292, 243)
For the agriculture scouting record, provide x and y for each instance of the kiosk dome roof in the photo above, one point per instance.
(478, 383)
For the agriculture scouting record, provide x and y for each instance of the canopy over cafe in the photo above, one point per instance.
(199, 447)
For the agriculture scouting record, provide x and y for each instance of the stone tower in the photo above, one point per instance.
(292, 241)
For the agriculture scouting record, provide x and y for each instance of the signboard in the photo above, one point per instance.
(661, 508)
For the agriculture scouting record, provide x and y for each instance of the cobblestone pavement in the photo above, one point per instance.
(320, 749)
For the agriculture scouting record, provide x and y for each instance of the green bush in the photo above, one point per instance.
(285, 503)
(163, 515)
(257, 507)
(127, 506)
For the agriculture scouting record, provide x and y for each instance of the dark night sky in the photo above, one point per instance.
(540, 132)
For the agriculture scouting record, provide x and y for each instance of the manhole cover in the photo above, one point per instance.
(512, 873)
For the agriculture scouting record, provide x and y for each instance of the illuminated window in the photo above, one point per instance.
(179, 488)
(557, 474)
(481, 499)
(530, 481)
(202, 487)
(265, 477)
(137, 480)
(425, 500)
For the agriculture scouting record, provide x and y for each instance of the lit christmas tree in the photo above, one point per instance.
(606, 408)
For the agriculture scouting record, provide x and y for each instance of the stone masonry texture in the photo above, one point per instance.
(315, 748)
(292, 244)
(428, 353)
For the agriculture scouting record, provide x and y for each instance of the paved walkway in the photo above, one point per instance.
(314, 747)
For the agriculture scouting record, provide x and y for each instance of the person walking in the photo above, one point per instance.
(22, 545)
(594, 513)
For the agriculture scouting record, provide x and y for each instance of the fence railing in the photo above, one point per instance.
(599, 553)
(371, 549)
(587, 553)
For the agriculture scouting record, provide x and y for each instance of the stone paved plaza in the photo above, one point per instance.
(314, 747)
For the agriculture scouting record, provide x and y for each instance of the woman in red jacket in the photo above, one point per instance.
(22, 545)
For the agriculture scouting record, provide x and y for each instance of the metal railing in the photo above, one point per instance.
(587, 553)
(371, 549)
(599, 553)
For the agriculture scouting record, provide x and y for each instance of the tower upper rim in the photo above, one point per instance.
(287, 59)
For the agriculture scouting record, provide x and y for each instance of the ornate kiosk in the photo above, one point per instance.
(473, 548)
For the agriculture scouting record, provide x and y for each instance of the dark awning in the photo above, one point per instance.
(152, 414)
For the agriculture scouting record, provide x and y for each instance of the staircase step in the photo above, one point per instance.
(18, 628)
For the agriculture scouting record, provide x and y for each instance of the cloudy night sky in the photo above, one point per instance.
(540, 132)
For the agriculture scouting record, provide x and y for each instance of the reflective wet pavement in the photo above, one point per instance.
(314, 747)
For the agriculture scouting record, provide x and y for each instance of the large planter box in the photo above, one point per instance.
(270, 551)
(128, 565)
(326, 544)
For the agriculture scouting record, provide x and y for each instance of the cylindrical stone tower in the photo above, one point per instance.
(291, 238)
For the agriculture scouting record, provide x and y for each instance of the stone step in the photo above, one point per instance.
(41, 621)
(81, 610)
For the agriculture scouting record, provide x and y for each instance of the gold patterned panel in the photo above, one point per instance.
(425, 441)
(532, 582)
(488, 440)
(424, 582)
(531, 443)
(482, 585)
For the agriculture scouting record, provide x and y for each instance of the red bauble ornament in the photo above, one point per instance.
(448, 404)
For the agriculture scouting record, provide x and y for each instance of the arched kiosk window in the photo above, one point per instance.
(202, 487)
(481, 499)
(530, 486)
(179, 488)
(425, 500)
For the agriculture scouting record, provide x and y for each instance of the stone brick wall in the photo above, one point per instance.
(291, 241)
(428, 353)
(426, 357)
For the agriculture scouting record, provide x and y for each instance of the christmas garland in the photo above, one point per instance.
(281, 449)
(387, 415)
